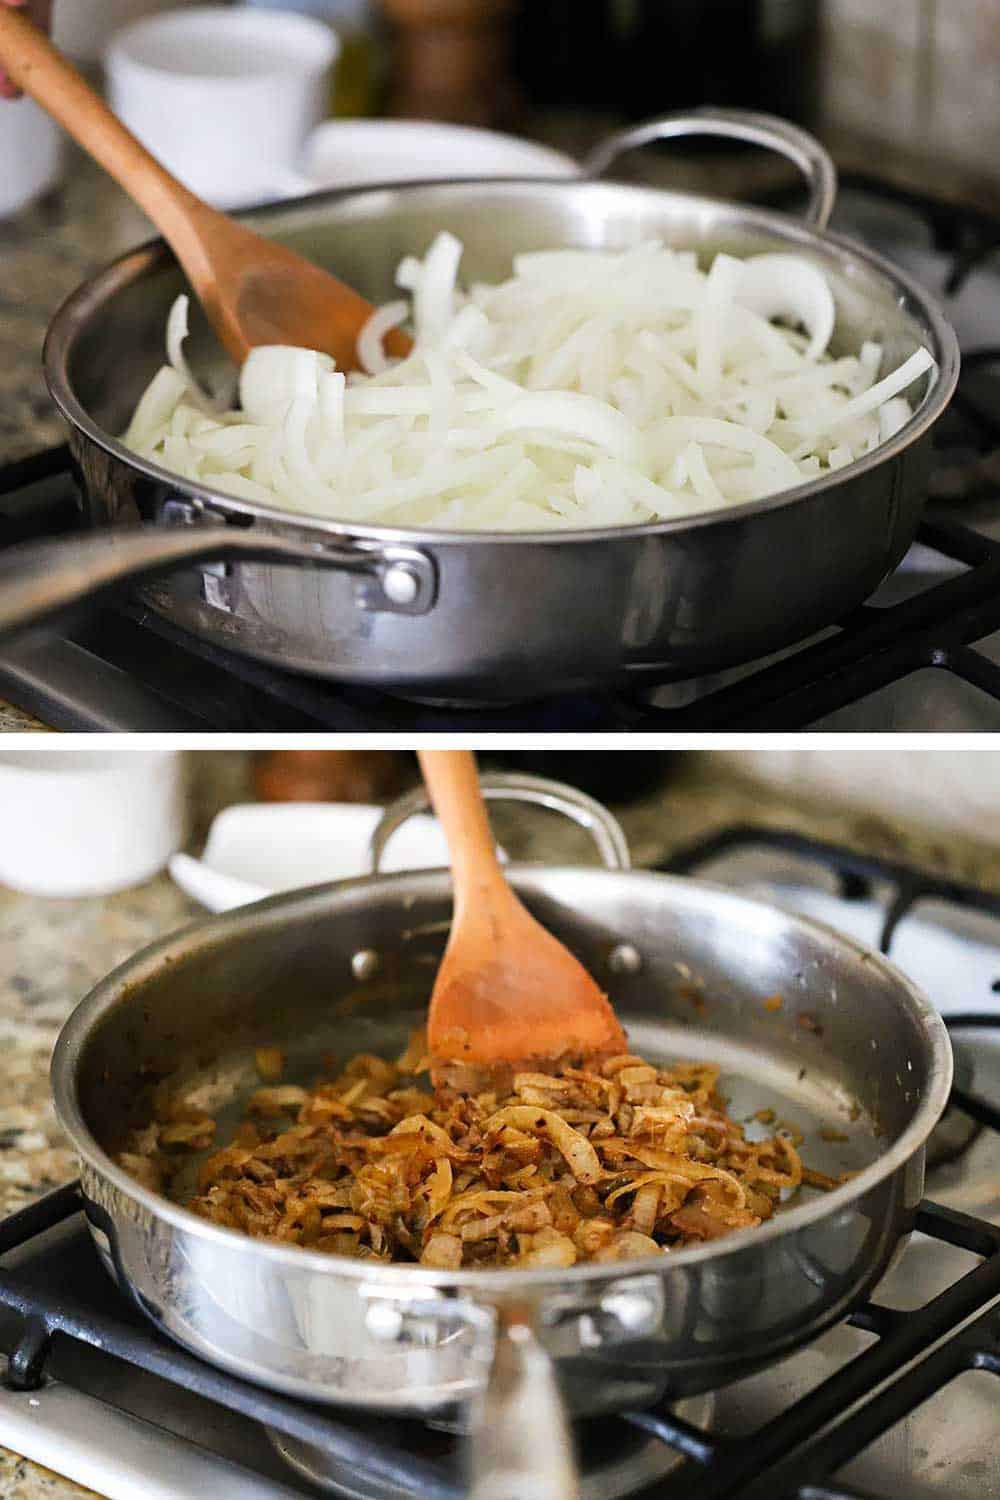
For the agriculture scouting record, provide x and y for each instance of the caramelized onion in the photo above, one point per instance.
(601, 1163)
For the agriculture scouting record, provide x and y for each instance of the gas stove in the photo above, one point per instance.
(896, 1401)
(922, 655)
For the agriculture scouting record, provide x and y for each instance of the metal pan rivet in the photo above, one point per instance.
(365, 964)
(384, 1322)
(400, 585)
(624, 959)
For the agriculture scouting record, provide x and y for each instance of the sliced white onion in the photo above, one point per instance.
(469, 329)
(434, 293)
(273, 376)
(892, 417)
(158, 404)
(331, 405)
(884, 390)
(592, 389)
(408, 273)
(721, 287)
(382, 321)
(577, 416)
(701, 480)
(298, 460)
(790, 287)
(177, 332)
(715, 433)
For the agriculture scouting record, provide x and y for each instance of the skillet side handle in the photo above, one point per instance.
(603, 827)
(41, 579)
(770, 131)
(520, 1442)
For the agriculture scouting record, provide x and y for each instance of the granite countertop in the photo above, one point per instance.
(46, 252)
(57, 949)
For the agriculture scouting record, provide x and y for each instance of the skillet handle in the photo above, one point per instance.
(41, 579)
(520, 1443)
(503, 786)
(815, 163)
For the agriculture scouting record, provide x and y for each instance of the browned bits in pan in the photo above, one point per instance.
(822, 1180)
(270, 1063)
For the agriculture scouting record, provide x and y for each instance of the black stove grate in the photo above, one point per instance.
(796, 1456)
(123, 669)
(800, 1452)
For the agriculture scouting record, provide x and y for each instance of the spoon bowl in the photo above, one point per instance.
(508, 995)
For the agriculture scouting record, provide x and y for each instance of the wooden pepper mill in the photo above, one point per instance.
(331, 775)
(452, 60)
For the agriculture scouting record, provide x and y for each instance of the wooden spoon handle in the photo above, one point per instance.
(452, 781)
(31, 62)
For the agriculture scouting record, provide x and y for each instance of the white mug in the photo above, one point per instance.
(85, 823)
(223, 97)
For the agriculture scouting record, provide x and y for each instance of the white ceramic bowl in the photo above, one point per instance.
(30, 154)
(90, 822)
(224, 97)
(356, 153)
(259, 848)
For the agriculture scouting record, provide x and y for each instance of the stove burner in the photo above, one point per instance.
(614, 1463)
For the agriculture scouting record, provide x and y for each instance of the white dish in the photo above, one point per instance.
(88, 823)
(258, 849)
(356, 153)
(224, 97)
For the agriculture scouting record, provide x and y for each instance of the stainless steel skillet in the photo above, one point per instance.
(855, 1057)
(479, 616)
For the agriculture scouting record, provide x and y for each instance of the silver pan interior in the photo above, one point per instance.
(854, 1057)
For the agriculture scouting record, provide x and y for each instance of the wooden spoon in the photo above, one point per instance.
(507, 993)
(253, 291)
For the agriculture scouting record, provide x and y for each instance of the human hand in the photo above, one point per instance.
(40, 12)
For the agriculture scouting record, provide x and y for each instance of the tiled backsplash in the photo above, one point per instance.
(921, 77)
